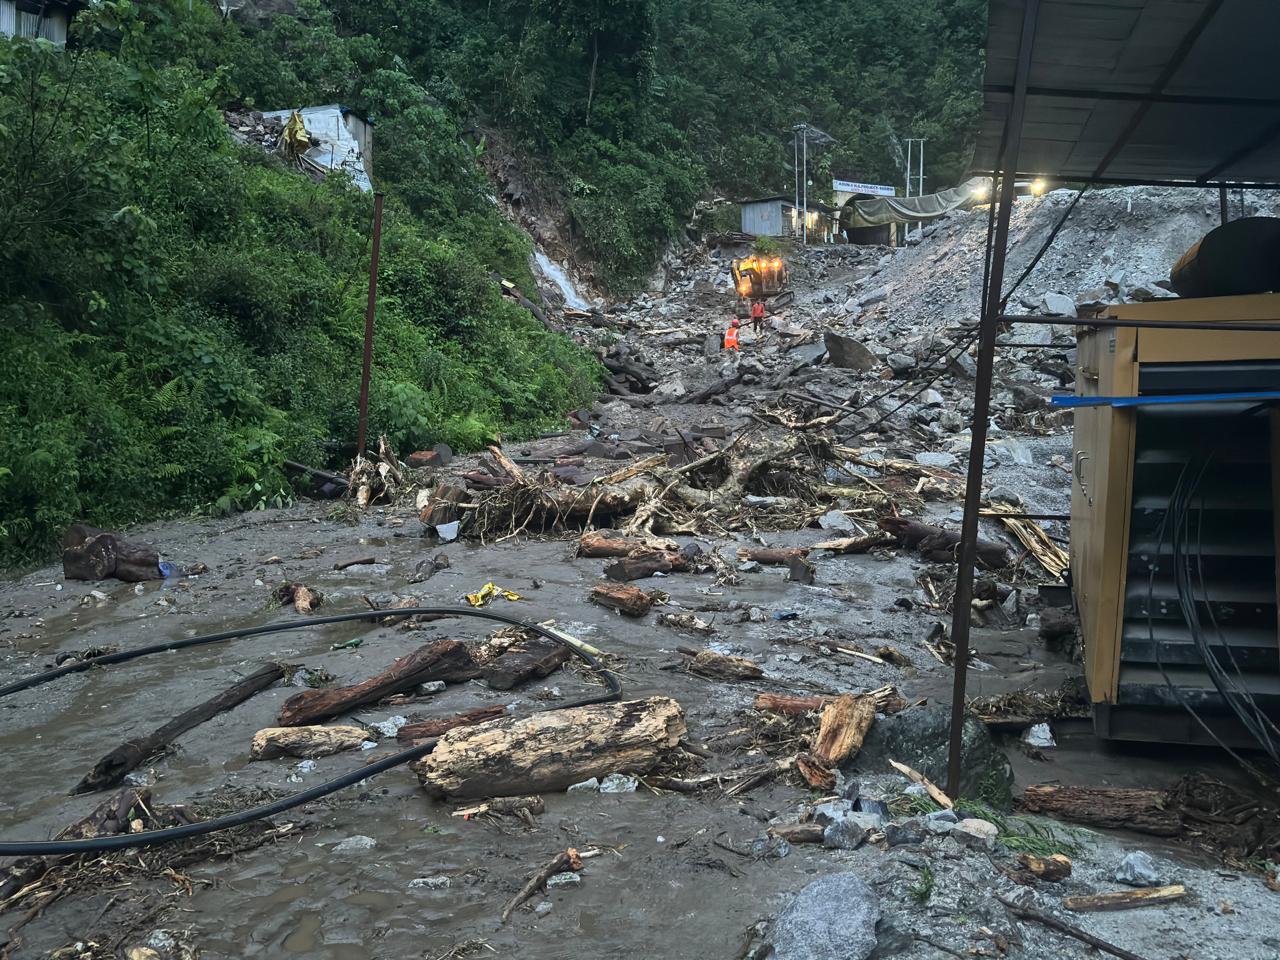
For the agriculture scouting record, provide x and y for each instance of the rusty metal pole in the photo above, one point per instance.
(368, 323)
(1222, 203)
(960, 615)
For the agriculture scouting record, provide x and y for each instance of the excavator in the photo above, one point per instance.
(762, 278)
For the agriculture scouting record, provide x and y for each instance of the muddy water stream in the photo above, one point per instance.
(664, 888)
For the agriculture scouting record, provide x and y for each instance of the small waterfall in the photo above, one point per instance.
(555, 273)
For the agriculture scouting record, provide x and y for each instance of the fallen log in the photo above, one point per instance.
(272, 742)
(1125, 899)
(644, 563)
(552, 750)
(632, 601)
(1051, 869)
(609, 543)
(356, 562)
(506, 464)
(302, 598)
(798, 832)
(1027, 913)
(1112, 808)
(526, 808)
(430, 729)
(855, 544)
(788, 706)
(720, 666)
(446, 660)
(772, 556)
(939, 545)
(111, 769)
(527, 659)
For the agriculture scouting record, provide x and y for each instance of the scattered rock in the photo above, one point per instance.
(586, 786)
(978, 834)
(835, 916)
(618, 783)
(1058, 305)
(1039, 735)
(900, 363)
(933, 458)
(430, 883)
(911, 831)
(564, 880)
(358, 842)
(843, 834)
(1139, 869)
(919, 737)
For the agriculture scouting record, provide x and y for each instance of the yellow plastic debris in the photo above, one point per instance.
(488, 592)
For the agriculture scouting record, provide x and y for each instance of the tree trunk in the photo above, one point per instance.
(92, 554)
(609, 543)
(844, 725)
(429, 729)
(131, 754)
(1112, 808)
(552, 750)
(1125, 899)
(772, 556)
(720, 666)
(526, 660)
(443, 660)
(442, 507)
(632, 601)
(272, 742)
(788, 706)
(641, 564)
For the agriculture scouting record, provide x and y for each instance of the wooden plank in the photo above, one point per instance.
(622, 597)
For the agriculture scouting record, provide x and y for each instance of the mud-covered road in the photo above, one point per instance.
(382, 871)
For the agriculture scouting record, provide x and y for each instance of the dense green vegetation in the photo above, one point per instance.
(181, 314)
(640, 107)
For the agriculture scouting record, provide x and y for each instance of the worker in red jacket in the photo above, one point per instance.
(757, 316)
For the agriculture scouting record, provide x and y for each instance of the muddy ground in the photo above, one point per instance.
(678, 877)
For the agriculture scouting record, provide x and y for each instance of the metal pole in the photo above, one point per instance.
(805, 181)
(368, 322)
(920, 191)
(906, 227)
(1222, 204)
(795, 143)
(961, 610)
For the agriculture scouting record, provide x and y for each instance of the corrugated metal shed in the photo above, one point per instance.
(767, 217)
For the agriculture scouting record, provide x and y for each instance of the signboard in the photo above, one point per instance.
(875, 189)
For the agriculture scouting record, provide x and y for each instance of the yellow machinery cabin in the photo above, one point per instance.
(1174, 522)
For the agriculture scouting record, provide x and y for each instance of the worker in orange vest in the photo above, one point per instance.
(757, 316)
(731, 335)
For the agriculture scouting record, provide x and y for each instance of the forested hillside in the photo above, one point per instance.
(180, 314)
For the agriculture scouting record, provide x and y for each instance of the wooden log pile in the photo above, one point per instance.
(941, 545)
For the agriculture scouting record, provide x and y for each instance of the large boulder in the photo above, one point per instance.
(849, 354)
(832, 917)
(920, 737)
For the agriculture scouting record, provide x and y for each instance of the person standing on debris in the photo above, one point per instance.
(757, 316)
(731, 335)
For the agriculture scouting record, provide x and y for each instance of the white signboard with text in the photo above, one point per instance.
(875, 189)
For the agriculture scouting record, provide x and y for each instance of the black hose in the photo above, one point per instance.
(29, 848)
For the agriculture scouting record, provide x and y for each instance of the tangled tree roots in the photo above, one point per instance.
(711, 494)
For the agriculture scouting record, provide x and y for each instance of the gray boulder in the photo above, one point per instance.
(835, 916)
(919, 737)
(849, 354)
(911, 831)
(1058, 305)
(844, 834)
(901, 364)
(1139, 869)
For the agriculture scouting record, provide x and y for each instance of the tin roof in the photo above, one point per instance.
(1139, 91)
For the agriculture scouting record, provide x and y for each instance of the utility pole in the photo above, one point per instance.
(804, 215)
(795, 165)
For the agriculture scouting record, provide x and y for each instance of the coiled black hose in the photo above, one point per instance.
(29, 848)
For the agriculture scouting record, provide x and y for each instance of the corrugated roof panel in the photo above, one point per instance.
(1218, 48)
